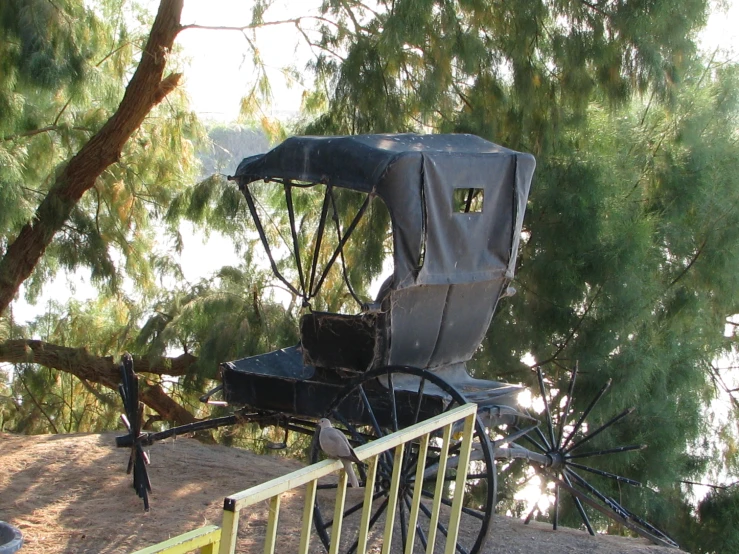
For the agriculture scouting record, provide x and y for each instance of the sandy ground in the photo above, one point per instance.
(70, 494)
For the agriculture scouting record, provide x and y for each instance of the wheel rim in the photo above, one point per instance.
(570, 463)
(383, 410)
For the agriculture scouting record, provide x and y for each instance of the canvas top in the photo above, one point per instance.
(416, 176)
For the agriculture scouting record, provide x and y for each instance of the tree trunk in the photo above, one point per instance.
(104, 370)
(145, 90)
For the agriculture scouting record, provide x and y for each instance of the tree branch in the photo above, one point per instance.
(38, 406)
(694, 259)
(718, 487)
(104, 370)
(294, 21)
(47, 129)
(572, 334)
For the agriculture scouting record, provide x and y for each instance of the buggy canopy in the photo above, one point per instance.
(416, 176)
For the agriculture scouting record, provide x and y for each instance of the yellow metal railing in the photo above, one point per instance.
(205, 538)
(308, 476)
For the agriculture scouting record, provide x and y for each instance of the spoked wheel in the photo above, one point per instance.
(386, 400)
(132, 419)
(566, 445)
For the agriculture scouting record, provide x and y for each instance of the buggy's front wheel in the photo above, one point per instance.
(380, 402)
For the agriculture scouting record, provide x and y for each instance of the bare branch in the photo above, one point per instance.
(252, 26)
(572, 334)
(47, 129)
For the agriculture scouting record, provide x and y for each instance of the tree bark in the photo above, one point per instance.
(146, 89)
(103, 370)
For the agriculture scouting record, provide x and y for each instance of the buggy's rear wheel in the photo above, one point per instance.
(567, 443)
(376, 404)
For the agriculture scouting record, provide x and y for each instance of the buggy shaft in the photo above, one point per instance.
(147, 439)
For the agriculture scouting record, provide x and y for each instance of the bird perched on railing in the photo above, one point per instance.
(335, 444)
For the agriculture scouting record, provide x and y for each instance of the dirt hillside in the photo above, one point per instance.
(69, 494)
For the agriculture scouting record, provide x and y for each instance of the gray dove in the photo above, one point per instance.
(335, 445)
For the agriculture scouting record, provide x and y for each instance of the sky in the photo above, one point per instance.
(220, 69)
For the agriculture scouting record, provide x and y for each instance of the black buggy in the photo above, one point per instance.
(456, 205)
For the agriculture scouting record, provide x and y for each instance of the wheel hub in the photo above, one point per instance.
(558, 459)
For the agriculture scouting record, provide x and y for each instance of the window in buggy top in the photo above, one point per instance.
(468, 200)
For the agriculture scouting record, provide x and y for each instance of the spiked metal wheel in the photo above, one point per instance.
(568, 461)
(132, 419)
(368, 410)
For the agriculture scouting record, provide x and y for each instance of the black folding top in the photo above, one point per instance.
(416, 176)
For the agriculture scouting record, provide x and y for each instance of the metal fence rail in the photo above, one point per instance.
(223, 540)
(206, 539)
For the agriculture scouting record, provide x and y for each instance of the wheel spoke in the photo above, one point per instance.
(409, 460)
(607, 451)
(370, 412)
(534, 442)
(580, 508)
(565, 413)
(359, 505)
(652, 529)
(385, 457)
(513, 437)
(421, 535)
(327, 486)
(606, 474)
(600, 429)
(372, 522)
(621, 515)
(354, 509)
(581, 419)
(543, 390)
(544, 440)
(447, 502)
(378, 513)
(610, 502)
(403, 525)
(556, 506)
(441, 528)
(419, 401)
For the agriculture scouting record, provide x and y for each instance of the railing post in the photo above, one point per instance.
(416, 501)
(274, 516)
(392, 500)
(338, 513)
(439, 490)
(229, 528)
(369, 489)
(464, 460)
(310, 498)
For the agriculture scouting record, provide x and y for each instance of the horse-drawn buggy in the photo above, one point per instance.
(455, 207)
